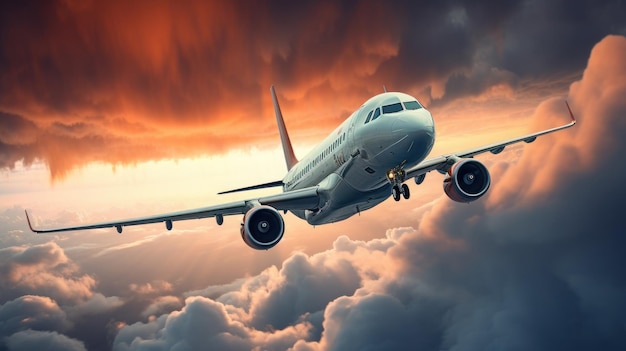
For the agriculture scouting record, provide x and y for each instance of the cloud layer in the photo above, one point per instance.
(522, 269)
(43, 297)
(537, 264)
(121, 83)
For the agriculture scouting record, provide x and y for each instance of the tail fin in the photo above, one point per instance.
(290, 157)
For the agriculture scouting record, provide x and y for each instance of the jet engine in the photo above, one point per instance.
(262, 227)
(466, 181)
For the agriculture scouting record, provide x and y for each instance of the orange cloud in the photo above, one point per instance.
(121, 82)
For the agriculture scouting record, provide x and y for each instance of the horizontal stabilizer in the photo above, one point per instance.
(254, 187)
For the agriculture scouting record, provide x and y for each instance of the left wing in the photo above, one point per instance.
(291, 200)
(444, 162)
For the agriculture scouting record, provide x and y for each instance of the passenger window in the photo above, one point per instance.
(397, 107)
(369, 115)
(376, 113)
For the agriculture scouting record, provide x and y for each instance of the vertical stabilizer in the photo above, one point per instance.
(290, 157)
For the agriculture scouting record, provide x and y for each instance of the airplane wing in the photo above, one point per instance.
(444, 162)
(291, 200)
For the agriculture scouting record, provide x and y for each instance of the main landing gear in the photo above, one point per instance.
(398, 190)
(396, 177)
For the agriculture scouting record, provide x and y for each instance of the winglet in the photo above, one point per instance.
(571, 114)
(290, 157)
(29, 224)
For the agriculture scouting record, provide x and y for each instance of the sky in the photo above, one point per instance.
(118, 109)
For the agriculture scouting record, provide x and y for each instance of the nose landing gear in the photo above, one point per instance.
(396, 176)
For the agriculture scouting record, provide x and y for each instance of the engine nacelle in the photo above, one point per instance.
(466, 181)
(262, 227)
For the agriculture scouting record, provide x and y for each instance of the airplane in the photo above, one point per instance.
(364, 161)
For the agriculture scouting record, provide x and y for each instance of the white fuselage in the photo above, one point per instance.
(350, 166)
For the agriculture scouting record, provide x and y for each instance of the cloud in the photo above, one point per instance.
(155, 287)
(201, 322)
(17, 138)
(43, 294)
(96, 304)
(302, 285)
(32, 312)
(538, 264)
(535, 265)
(41, 340)
(44, 269)
(272, 310)
(100, 82)
(162, 305)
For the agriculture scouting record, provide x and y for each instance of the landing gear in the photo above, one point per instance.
(395, 192)
(396, 177)
(398, 190)
(405, 191)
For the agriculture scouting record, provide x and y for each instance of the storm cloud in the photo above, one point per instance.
(536, 264)
(121, 83)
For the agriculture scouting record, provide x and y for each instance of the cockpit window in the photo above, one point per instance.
(397, 107)
(376, 113)
(412, 105)
(369, 115)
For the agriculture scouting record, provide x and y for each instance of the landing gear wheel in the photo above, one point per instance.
(405, 191)
(395, 192)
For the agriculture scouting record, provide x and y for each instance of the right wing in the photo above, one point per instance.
(444, 162)
(301, 199)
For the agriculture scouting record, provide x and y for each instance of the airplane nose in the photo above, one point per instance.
(418, 132)
(407, 138)
(414, 124)
(403, 125)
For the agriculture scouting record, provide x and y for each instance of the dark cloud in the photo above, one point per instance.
(303, 286)
(202, 322)
(89, 82)
(41, 340)
(539, 27)
(32, 312)
(17, 138)
(43, 293)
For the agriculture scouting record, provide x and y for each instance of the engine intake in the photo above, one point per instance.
(262, 227)
(466, 181)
